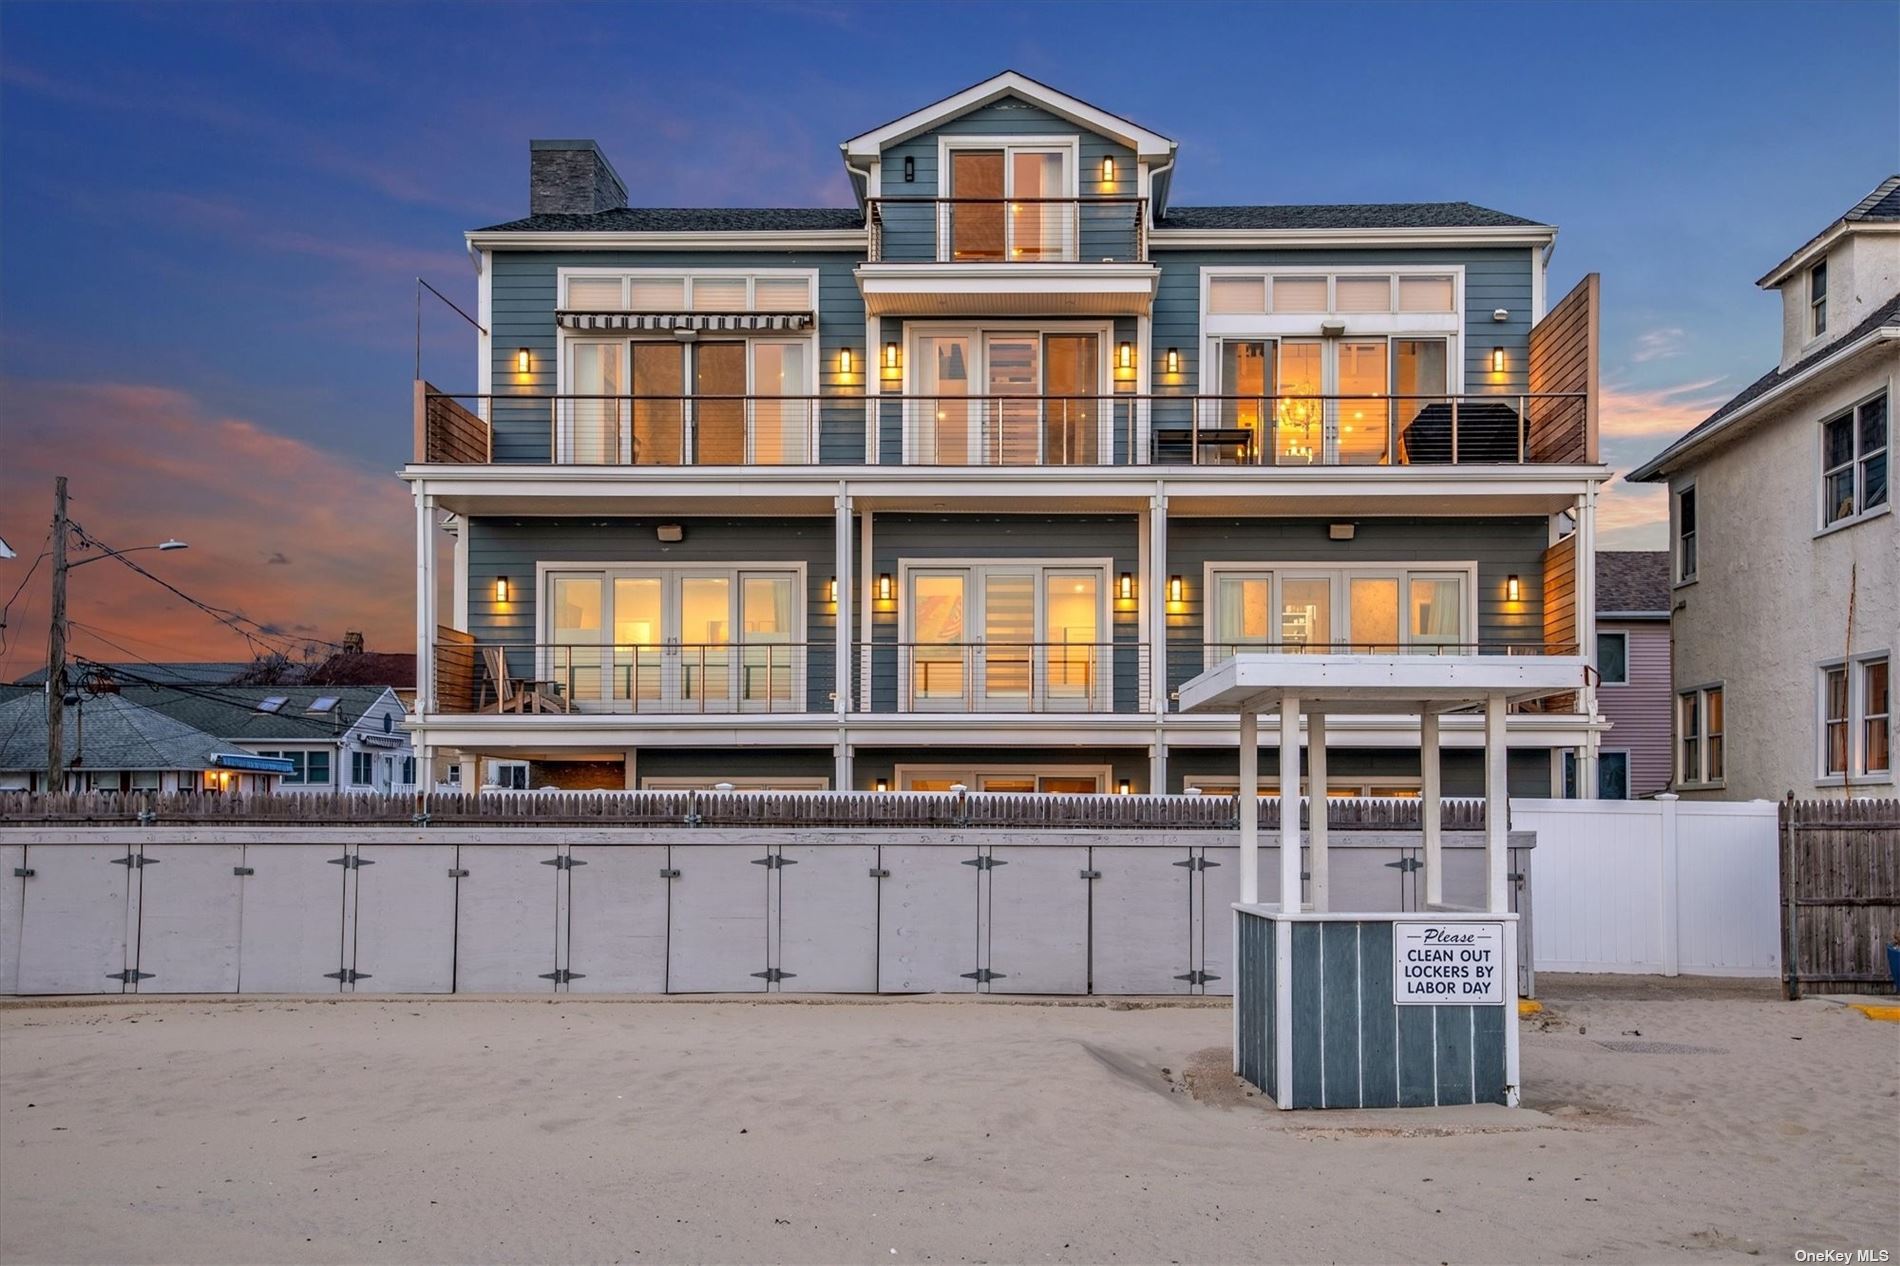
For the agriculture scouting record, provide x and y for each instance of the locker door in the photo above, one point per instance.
(73, 917)
(1142, 922)
(291, 940)
(505, 919)
(190, 918)
(927, 920)
(617, 900)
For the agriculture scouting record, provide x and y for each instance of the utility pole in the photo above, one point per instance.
(56, 650)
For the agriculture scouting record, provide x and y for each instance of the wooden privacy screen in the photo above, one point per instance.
(456, 675)
(1840, 894)
(1560, 616)
(446, 432)
(1563, 360)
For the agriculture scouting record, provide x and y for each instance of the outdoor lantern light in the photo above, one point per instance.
(1125, 357)
(890, 356)
(1108, 169)
(1174, 360)
(884, 588)
(831, 590)
(1512, 588)
(1497, 360)
(1174, 589)
(844, 360)
(501, 589)
(883, 784)
(910, 176)
(1127, 585)
(521, 361)
(1126, 788)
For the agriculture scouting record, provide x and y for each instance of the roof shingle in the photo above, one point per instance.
(1633, 581)
(1371, 215)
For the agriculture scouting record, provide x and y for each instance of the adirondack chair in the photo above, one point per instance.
(516, 694)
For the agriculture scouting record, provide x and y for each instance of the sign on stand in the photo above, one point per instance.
(1447, 963)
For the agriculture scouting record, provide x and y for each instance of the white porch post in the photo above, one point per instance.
(1430, 808)
(1290, 895)
(1497, 804)
(1155, 588)
(425, 602)
(841, 568)
(1317, 799)
(867, 599)
(1247, 798)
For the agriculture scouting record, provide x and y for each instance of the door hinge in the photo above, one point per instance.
(136, 862)
(985, 863)
(23, 872)
(562, 976)
(772, 975)
(983, 976)
(667, 872)
(876, 873)
(1197, 863)
(1406, 865)
(457, 873)
(350, 861)
(1514, 876)
(772, 861)
(564, 862)
(128, 976)
(1198, 977)
(1091, 874)
(349, 975)
(244, 870)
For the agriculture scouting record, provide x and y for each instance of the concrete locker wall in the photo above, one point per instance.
(827, 918)
(505, 919)
(291, 940)
(12, 898)
(73, 919)
(1038, 921)
(717, 920)
(190, 918)
(405, 919)
(927, 926)
(1141, 921)
(617, 919)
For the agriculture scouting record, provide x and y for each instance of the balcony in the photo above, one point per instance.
(1027, 430)
(922, 230)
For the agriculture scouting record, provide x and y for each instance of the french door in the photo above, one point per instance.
(1369, 611)
(1007, 638)
(1325, 401)
(1041, 399)
(1008, 204)
(650, 403)
(675, 640)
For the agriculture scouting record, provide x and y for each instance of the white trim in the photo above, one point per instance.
(1509, 235)
(1856, 774)
(1540, 283)
(485, 336)
(1851, 412)
(1146, 144)
(1596, 658)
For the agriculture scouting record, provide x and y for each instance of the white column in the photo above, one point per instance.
(1431, 791)
(1156, 584)
(1497, 804)
(872, 369)
(460, 614)
(1291, 899)
(1316, 830)
(841, 568)
(425, 603)
(1247, 797)
(867, 600)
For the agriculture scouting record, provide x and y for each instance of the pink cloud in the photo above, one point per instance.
(1632, 516)
(1656, 412)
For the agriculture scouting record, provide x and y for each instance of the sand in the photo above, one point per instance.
(1663, 1122)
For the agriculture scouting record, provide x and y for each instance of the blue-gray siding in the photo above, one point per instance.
(1009, 116)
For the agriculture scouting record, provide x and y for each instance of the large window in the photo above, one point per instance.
(651, 403)
(1613, 659)
(1854, 457)
(1006, 637)
(1009, 203)
(1685, 534)
(1330, 401)
(1374, 609)
(1817, 300)
(1701, 737)
(675, 639)
(1856, 719)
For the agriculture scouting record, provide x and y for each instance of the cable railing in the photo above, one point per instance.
(756, 675)
(927, 230)
(1002, 429)
(1007, 676)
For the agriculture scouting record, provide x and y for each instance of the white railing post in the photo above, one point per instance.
(1668, 897)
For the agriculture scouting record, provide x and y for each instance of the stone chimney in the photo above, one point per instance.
(353, 643)
(572, 178)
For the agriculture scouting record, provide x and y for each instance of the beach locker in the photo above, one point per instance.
(1216, 888)
(12, 897)
(827, 918)
(291, 934)
(616, 933)
(505, 919)
(1038, 920)
(73, 916)
(405, 919)
(190, 918)
(1142, 923)
(927, 919)
(717, 919)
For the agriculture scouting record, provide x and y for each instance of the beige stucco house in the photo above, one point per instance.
(1785, 551)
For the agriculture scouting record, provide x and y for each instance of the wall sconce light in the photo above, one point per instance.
(1108, 169)
(1497, 360)
(1512, 589)
(890, 356)
(885, 589)
(1126, 587)
(1341, 531)
(884, 784)
(1174, 360)
(910, 172)
(670, 533)
(521, 361)
(844, 360)
(1125, 788)
(831, 590)
(501, 589)
(1125, 356)
(1174, 589)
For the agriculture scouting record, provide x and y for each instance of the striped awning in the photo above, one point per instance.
(737, 321)
(259, 764)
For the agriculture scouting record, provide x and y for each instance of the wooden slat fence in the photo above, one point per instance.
(1563, 358)
(446, 432)
(457, 670)
(1560, 614)
(1840, 894)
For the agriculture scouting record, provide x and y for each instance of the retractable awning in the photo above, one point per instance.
(734, 321)
(258, 764)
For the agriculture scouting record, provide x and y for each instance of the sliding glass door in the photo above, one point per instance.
(1038, 399)
(1009, 204)
(649, 403)
(1330, 401)
(1006, 638)
(1372, 610)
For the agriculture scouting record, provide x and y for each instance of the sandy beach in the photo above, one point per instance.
(1662, 1121)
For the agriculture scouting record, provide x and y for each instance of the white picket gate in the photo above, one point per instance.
(1659, 886)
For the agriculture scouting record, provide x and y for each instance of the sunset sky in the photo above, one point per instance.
(211, 218)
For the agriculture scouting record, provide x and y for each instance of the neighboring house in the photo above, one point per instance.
(336, 738)
(1632, 660)
(113, 744)
(957, 484)
(1785, 549)
(354, 666)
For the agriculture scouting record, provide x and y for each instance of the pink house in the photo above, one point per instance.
(1632, 656)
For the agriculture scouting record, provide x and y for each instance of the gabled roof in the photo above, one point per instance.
(1879, 209)
(106, 732)
(1367, 215)
(231, 712)
(1145, 143)
(1884, 319)
(1633, 582)
(395, 669)
(183, 672)
(690, 220)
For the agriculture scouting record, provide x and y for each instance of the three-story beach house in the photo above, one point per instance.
(956, 485)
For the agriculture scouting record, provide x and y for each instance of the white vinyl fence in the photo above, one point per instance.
(1660, 887)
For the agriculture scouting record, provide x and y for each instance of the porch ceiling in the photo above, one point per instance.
(1254, 681)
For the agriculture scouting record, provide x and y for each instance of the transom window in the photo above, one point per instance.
(1701, 738)
(1854, 461)
(1856, 714)
(1295, 608)
(1320, 293)
(661, 292)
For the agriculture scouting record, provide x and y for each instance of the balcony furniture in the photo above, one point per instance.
(1487, 432)
(517, 694)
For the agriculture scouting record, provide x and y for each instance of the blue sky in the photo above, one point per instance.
(211, 218)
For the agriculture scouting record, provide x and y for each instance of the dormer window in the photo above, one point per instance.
(1817, 300)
